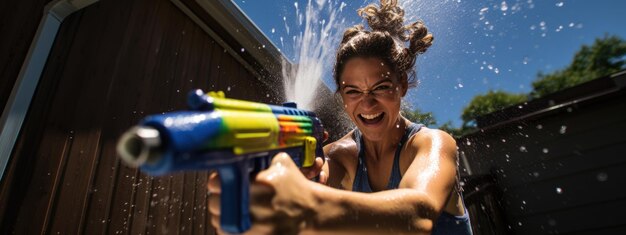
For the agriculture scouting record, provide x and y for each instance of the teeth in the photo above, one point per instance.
(370, 116)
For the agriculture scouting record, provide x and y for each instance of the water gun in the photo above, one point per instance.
(235, 137)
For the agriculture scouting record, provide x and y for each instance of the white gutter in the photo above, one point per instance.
(252, 40)
(24, 88)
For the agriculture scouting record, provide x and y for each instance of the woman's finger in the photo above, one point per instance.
(314, 170)
(214, 185)
(215, 222)
(214, 204)
(261, 196)
(323, 179)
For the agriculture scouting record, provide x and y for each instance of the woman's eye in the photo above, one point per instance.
(352, 92)
(383, 87)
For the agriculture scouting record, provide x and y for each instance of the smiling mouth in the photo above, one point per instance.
(370, 119)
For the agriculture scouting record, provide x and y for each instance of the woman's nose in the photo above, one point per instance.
(369, 100)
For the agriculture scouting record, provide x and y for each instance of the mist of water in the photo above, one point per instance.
(314, 49)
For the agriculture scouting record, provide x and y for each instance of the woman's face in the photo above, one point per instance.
(371, 95)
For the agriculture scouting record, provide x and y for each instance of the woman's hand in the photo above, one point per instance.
(281, 199)
(264, 198)
(316, 169)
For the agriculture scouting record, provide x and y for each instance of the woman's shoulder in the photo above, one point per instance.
(341, 148)
(432, 136)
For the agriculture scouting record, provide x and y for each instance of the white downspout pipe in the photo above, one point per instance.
(24, 89)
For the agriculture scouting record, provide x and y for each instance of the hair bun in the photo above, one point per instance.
(419, 38)
(388, 17)
(351, 32)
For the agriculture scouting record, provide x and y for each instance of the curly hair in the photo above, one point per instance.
(385, 41)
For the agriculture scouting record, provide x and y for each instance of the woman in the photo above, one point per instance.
(388, 175)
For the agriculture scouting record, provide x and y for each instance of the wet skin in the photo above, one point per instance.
(284, 201)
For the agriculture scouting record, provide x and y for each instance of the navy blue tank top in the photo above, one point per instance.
(446, 223)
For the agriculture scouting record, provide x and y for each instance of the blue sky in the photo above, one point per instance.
(479, 45)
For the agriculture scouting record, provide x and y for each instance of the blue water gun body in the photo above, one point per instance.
(235, 137)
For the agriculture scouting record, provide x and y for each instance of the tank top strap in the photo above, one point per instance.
(361, 183)
(396, 176)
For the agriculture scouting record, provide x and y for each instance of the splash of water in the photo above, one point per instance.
(314, 51)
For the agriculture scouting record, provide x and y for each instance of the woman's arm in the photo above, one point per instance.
(291, 203)
(412, 208)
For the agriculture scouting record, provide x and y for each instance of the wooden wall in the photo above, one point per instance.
(561, 171)
(18, 24)
(112, 63)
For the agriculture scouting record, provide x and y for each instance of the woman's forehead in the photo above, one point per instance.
(366, 70)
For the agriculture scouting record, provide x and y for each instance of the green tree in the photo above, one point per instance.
(456, 132)
(487, 103)
(417, 116)
(606, 56)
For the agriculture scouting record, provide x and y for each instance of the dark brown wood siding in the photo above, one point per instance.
(562, 172)
(113, 63)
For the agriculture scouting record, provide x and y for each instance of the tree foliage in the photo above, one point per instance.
(417, 116)
(606, 56)
(488, 103)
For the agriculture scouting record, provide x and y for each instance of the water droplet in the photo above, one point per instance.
(460, 85)
(177, 91)
(504, 6)
(536, 174)
(523, 149)
(243, 49)
(273, 30)
(559, 190)
(468, 143)
(519, 223)
(559, 4)
(602, 176)
(545, 150)
(228, 88)
(563, 129)
(267, 95)
(558, 29)
(539, 127)
(503, 140)
(398, 126)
